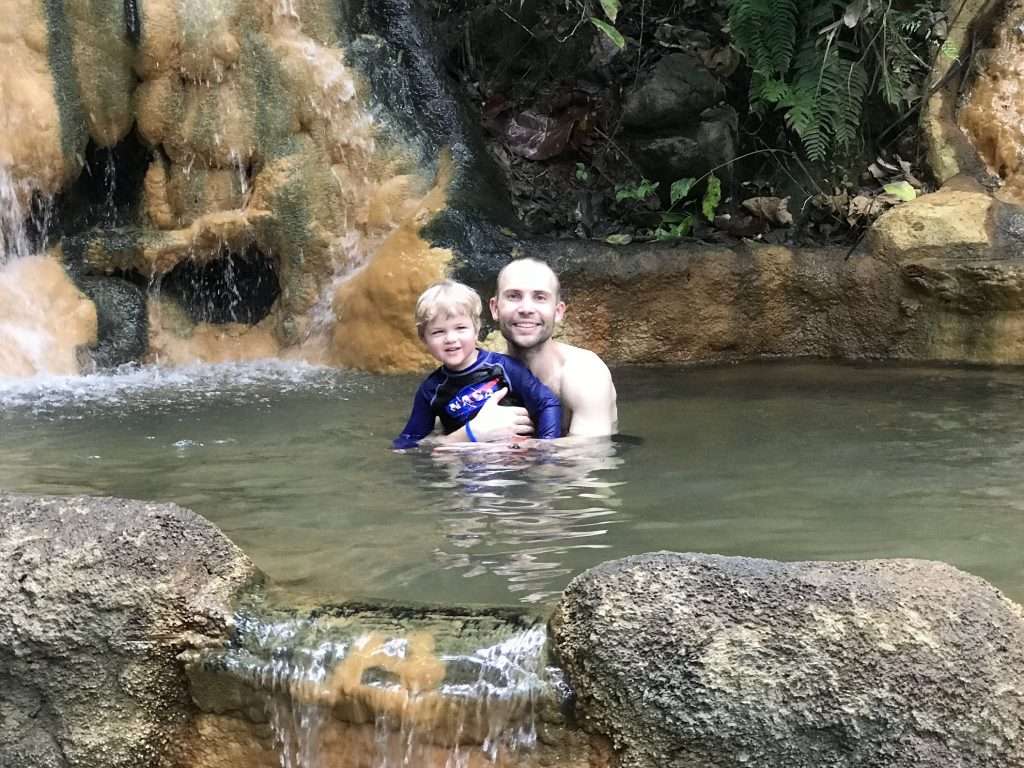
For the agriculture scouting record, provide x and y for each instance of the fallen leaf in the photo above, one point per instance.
(902, 190)
(772, 209)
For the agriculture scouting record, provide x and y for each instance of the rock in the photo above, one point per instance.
(678, 87)
(122, 325)
(952, 223)
(98, 597)
(691, 151)
(721, 662)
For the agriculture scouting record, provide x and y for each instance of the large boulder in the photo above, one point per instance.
(693, 660)
(678, 87)
(98, 597)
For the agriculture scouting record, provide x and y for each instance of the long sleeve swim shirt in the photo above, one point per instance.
(456, 396)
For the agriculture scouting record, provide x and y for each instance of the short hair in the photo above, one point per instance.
(447, 298)
(531, 260)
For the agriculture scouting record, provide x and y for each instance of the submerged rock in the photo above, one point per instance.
(703, 660)
(98, 597)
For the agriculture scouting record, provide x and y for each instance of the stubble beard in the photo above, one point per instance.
(521, 350)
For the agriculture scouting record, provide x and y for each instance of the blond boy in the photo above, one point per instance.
(448, 323)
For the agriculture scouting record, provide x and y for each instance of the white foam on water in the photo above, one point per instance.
(130, 385)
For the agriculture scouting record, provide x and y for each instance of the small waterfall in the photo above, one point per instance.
(14, 217)
(340, 694)
(44, 319)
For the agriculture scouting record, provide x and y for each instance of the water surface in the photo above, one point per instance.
(793, 462)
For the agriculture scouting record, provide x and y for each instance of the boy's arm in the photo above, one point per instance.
(420, 424)
(540, 401)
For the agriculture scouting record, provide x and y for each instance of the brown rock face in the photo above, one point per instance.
(98, 597)
(719, 662)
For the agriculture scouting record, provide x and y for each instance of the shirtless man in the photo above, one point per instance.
(527, 307)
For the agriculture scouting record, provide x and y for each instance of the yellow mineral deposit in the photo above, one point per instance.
(373, 306)
(174, 340)
(30, 137)
(994, 113)
(44, 319)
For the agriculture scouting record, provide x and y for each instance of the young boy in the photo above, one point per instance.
(448, 322)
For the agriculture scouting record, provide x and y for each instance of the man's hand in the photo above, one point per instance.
(494, 422)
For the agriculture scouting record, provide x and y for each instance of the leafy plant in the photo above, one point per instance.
(676, 224)
(639, 191)
(821, 61)
(611, 11)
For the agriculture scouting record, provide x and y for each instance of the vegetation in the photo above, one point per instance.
(821, 61)
(825, 92)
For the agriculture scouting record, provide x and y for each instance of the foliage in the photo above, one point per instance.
(641, 190)
(673, 223)
(822, 61)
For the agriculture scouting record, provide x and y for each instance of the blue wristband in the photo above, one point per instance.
(469, 433)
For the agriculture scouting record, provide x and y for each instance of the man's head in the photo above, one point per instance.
(527, 304)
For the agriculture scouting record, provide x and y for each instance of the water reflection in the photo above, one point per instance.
(517, 511)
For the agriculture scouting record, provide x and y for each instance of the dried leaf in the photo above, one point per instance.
(619, 239)
(853, 13)
(772, 209)
(877, 172)
(865, 207)
(537, 137)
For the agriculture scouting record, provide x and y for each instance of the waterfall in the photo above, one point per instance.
(14, 195)
(337, 694)
(44, 319)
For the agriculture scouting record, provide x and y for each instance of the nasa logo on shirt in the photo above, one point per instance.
(471, 397)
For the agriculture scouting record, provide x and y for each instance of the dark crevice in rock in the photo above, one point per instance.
(234, 288)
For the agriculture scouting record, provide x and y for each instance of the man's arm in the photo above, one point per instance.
(588, 391)
(493, 422)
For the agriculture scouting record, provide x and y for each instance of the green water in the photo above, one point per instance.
(796, 461)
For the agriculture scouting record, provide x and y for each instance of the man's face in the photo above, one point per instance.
(527, 307)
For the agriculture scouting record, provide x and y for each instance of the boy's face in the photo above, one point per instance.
(527, 306)
(452, 340)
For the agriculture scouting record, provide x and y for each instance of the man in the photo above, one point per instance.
(527, 307)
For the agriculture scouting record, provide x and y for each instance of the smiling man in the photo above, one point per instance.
(527, 307)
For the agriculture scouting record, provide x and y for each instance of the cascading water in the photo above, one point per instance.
(260, 146)
(44, 319)
(341, 694)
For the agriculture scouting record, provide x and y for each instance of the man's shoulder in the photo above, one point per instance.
(583, 360)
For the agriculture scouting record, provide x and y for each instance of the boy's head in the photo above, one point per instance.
(445, 299)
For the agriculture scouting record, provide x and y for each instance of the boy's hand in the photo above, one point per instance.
(496, 423)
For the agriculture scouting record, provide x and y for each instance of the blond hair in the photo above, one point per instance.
(447, 298)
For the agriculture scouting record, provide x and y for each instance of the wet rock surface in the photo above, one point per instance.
(122, 335)
(689, 659)
(98, 597)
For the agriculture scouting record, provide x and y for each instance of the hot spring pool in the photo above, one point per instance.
(785, 461)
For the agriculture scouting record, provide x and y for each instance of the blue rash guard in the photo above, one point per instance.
(456, 396)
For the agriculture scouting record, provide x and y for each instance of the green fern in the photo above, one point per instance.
(810, 63)
(765, 31)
